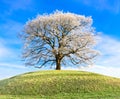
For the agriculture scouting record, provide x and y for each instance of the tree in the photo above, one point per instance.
(58, 38)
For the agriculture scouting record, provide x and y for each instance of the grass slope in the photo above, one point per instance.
(60, 85)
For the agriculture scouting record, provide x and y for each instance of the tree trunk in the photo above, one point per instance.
(58, 65)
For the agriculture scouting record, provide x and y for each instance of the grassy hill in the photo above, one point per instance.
(60, 85)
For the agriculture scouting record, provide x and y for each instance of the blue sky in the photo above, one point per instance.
(15, 13)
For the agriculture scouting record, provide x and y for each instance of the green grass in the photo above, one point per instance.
(60, 85)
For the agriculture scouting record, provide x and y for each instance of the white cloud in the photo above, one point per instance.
(8, 52)
(7, 73)
(14, 5)
(18, 4)
(11, 28)
(9, 35)
(108, 63)
(4, 51)
(9, 70)
(113, 6)
(9, 41)
(9, 65)
(110, 51)
(109, 71)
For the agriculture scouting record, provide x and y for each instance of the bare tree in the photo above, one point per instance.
(59, 38)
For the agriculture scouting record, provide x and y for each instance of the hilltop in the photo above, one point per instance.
(60, 85)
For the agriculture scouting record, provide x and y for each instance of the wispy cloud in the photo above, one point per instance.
(108, 63)
(110, 51)
(111, 71)
(4, 51)
(10, 6)
(8, 70)
(11, 28)
(110, 5)
(8, 54)
(10, 45)
(11, 65)
(18, 4)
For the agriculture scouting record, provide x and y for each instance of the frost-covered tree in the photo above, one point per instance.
(57, 39)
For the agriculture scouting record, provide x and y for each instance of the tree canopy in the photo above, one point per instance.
(57, 39)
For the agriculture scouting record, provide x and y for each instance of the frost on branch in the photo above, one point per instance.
(53, 39)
